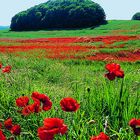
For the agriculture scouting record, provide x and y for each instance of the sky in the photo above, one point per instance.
(114, 9)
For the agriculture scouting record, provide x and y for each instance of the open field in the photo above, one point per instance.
(121, 48)
(71, 63)
(115, 27)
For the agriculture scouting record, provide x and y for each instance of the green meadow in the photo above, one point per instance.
(114, 27)
(105, 106)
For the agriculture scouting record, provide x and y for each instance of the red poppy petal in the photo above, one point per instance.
(69, 104)
(8, 123)
(16, 130)
(110, 76)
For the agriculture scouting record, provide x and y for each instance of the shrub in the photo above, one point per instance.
(59, 14)
(136, 16)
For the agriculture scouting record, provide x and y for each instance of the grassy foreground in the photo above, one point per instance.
(114, 27)
(83, 80)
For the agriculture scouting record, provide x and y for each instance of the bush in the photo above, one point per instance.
(136, 16)
(59, 14)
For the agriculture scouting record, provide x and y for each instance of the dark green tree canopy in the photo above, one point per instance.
(59, 14)
(136, 16)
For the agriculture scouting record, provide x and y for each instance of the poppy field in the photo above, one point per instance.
(78, 87)
(87, 48)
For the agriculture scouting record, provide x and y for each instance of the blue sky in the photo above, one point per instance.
(114, 9)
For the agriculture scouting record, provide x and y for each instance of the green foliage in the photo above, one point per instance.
(59, 14)
(136, 16)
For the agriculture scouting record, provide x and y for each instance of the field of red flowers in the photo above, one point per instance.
(36, 104)
(89, 48)
(50, 99)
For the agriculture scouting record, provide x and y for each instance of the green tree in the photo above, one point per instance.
(136, 16)
(60, 14)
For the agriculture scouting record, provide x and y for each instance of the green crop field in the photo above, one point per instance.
(105, 105)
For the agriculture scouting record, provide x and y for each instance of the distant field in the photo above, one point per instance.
(101, 48)
(117, 40)
(114, 27)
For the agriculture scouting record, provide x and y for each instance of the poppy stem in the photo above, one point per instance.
(66, 136)
(137, 137)
(120, 108)
(121, 90)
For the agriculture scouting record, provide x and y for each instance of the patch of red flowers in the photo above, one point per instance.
(114, 70)
(124, 56)
(69, 104)
(106, 39)
(41, 102)
(52, 126)
(32, 108)
(22, 101)
(135, 125)
(6, 69)
(27, 110)
(101, 136)
(15, 129)
(44, 99)
(66, 48)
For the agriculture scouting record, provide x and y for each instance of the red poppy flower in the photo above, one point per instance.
(36, 106)
(51, 127)
(135, 124)
(112, 67)
(0, 65)
(2, 136)
(36, 95)
(16, 130)
(6, 69)
(119, 74)
(101, 136)
(114, 71)
(22, 101)
(47, 104)
(56, 125)
(44, 134)
(32, 108)
(27, 110)
(39, 96)
(8, 123)
(69, 104)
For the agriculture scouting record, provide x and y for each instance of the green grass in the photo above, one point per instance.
(4, 43)
(130, 45)
(73, 78)
(114, 27)
(59, 79)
